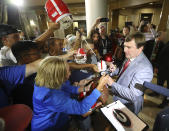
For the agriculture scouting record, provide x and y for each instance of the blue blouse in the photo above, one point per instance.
(52, 106)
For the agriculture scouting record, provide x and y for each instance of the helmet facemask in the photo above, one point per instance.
(80, 57)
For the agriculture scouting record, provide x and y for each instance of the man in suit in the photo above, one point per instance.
(157, 47)
(163, 71)
(135, 70)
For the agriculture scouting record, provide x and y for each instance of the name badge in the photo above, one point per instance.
(104, 51)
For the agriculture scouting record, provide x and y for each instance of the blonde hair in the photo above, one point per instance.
(52, 72)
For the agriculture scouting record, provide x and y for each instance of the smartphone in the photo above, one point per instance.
(104, 20)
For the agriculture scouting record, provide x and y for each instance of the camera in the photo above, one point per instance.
(106, 72)
(104, 20)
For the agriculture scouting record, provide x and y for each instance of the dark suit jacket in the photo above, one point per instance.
(163, 62)
(148, 48)
(160, 47)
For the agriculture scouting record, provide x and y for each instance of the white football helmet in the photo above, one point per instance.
(80, 57)
(66, 22)
(70, 41)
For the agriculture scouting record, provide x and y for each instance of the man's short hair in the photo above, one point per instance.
(7, 29)
(22, 47)
(138, 37)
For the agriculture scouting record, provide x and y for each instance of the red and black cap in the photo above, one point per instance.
(108, 57)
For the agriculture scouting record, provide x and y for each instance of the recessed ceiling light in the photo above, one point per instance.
(151, 3)
(17, 2)
(32, 23)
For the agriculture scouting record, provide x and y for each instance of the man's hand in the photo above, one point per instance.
(54, 26)
(72, 52)
(94, 67)
(110, 81)
(98, 20)
(142, 22)
(102, 82)
(112, 67)
(69, 54)
(43, 37)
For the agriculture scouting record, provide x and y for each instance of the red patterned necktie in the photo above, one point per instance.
(125, 66)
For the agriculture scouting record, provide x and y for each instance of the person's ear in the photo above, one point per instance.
(52, 52)
(4, 39)
(142, 47)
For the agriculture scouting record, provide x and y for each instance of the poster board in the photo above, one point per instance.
(122, 118)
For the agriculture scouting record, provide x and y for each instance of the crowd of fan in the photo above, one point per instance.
(37, 73)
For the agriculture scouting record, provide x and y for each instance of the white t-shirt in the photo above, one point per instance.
(6, 57)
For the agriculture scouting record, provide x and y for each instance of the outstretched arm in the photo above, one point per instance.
(81, 66)
(130, 92)
(68, 55)
(78, 41)
(42, 38)
(32, 67)
(97, 22)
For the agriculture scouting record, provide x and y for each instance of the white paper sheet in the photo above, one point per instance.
(122, 118)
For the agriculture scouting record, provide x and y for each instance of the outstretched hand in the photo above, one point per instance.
(102, 82)
(82, 86)
(112, 67)
(54, 26)
(72, 52)
(142, 22)
(97, 20)
(95, 68)
(110, 81)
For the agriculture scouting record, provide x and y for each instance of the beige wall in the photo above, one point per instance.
(134, 15)
(122, 20)
(167, 29)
